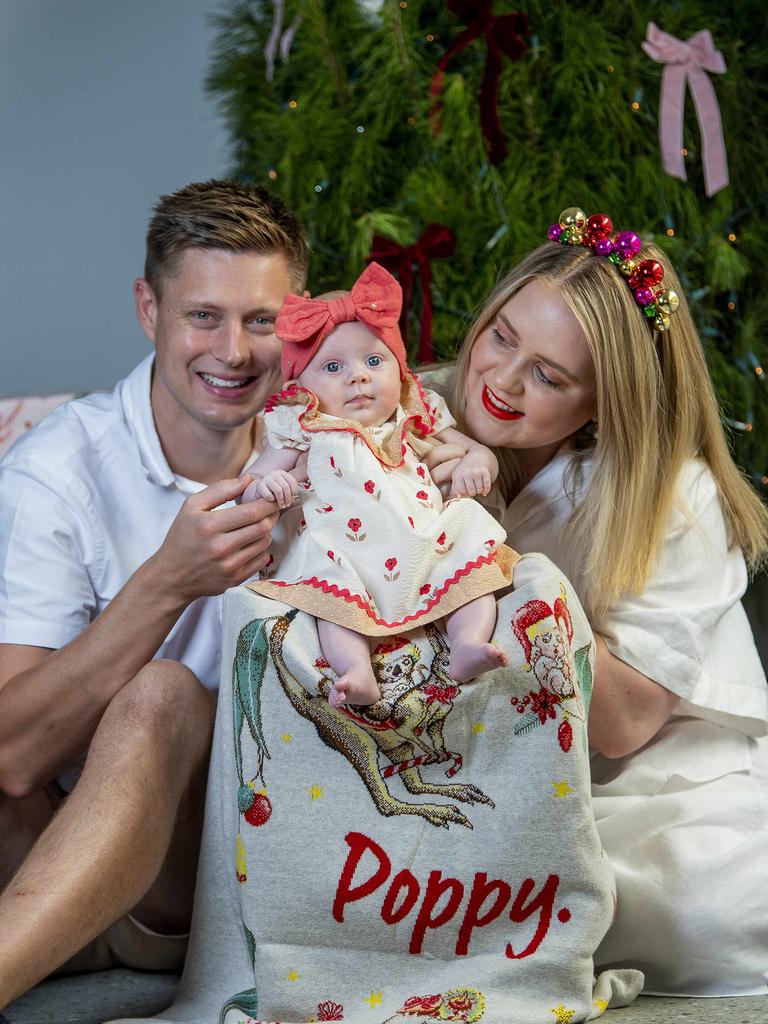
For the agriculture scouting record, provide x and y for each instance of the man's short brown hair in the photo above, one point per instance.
(222, 214)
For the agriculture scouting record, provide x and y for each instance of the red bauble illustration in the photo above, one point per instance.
(260, 810)
(565, 736)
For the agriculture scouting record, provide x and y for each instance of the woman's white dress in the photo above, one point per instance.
(684, 820)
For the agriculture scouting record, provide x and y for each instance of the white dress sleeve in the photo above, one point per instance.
(688, 630)
(438, 410)
(284, 429)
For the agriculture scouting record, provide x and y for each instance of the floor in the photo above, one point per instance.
(95, 998)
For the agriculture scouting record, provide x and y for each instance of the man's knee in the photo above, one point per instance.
(164, 699)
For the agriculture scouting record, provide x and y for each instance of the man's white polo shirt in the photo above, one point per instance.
(85, 498)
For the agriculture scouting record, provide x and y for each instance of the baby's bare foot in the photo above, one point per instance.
(354, 689)
(472, 659)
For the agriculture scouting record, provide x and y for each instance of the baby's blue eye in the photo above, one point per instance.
(333, 367)
(374, 360)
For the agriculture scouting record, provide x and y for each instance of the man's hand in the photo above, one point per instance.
(209, 549)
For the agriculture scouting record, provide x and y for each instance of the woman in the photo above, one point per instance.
(614, 464)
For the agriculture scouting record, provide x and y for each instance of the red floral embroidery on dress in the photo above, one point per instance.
(443, 544)
(421, 471)
(410, 520)
(322, 663)
(370, 486)
(424, 588)
(331, 555)
(354, 525)
(389, 565)
(422, 495)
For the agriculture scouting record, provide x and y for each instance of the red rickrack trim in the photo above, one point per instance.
(420, 425)
(281, 396)
(344, 594)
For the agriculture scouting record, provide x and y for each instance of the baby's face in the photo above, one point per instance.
(354, 375)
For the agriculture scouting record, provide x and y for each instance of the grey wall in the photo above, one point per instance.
(102, 109)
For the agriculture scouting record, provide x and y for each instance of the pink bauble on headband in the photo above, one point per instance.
(303, 324)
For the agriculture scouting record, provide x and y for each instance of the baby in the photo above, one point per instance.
(378, 551)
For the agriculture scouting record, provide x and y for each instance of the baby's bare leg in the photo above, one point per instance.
(349, 655)
(469, 630)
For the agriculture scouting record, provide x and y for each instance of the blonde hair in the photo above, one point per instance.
(656, 408)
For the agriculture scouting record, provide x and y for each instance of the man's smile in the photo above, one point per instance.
(232, 386)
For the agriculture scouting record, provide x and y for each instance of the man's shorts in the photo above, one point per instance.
(127, 943)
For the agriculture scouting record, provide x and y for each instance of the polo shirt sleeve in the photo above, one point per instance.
(46, 551)
(668, 631)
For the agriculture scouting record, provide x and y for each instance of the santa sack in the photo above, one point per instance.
(432, 857)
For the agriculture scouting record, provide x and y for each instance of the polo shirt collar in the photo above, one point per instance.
(136, 407)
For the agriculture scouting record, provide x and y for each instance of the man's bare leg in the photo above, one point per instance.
(107, 845)
(21, 824)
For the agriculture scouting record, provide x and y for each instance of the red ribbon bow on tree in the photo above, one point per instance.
(303, 324)
(436, 242)
(504, 34)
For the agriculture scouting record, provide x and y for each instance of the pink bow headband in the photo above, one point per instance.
(303, 324)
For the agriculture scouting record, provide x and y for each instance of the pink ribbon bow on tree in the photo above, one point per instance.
(688, 62)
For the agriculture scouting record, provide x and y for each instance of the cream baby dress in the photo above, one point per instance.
(377, 549)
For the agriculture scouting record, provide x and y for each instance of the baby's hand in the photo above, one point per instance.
(279, 486)
(470, 478)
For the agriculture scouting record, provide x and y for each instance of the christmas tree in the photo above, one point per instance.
(450, 135)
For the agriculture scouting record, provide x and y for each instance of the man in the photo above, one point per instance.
(117, 534)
